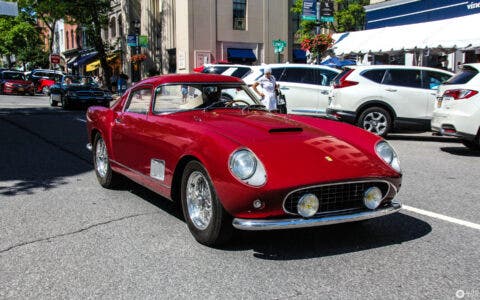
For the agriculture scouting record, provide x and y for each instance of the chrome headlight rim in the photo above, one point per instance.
(256, 178)
(387, 154)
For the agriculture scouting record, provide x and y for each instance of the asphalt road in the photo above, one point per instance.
(63, 236)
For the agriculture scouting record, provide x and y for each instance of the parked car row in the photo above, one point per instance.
(15, 82)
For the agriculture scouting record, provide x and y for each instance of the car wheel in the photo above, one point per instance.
(101, 162)
(45, 90)
(376, 120)
(473, 145)
(53, 102)
(65, 103)
(206, 218)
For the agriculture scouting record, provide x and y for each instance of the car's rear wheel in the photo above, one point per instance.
(101, 162)
(53, 102)
(206, 218)
(376, 120)
(473, 145)
(45, 90)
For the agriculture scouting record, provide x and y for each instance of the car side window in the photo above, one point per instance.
(324, 77)
(139, 101)
(375, 75)
(299, 75)
(434, 79)
(278, 73)
(401, 77)
(175, 97)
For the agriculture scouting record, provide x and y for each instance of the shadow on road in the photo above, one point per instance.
(423, 138)
(40, 148)
(331, 240)
(461, 151)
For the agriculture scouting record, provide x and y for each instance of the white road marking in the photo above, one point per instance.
(441, 217)
(81, 120)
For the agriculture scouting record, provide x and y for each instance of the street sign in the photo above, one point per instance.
(327, 19)
(279, 45)
(309, 10)
(55, 58)
(326, 8)
(131, 40)
(143, 41)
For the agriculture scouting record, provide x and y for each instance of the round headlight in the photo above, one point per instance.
(372, 197)
(307, 205)
(387, 154)
(243, 164)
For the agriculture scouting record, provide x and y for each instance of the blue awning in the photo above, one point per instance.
(239, 53)
(336, 62)
(299, 54)
(84, 59)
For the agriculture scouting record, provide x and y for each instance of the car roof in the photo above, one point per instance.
(191, 78)
(372, 67)
(473, 65)
(226, 65)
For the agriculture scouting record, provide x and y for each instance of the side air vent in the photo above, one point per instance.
(288, 129)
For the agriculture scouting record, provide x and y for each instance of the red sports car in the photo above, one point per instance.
(205, 141)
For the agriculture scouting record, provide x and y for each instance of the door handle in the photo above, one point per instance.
(324, 92)
(118, 120)
(391, 90)
(284, 88)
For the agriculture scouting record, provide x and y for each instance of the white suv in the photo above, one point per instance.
(386, 98)
(305, 87)
(457, 110)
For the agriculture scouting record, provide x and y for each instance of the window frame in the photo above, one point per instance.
(130, 97)
(239, 6)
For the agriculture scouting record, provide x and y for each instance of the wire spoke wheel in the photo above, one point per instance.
(199, 200)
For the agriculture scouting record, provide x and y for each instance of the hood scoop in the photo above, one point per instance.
(285, 129)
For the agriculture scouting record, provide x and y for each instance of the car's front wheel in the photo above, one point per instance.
(52, 102)
(376, 120)
(101, 162)
(45, 90)
(206, 218)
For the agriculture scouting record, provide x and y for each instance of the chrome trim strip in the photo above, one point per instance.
(389, 184)
(140, 174)
(275, 224)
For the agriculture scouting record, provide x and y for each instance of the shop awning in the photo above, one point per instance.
(449, 34)
(96, 64)
(84, 59)
(241, 54)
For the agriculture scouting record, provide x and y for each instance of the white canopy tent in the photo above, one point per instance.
(450, 35)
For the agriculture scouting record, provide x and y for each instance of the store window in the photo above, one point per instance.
(239, 14)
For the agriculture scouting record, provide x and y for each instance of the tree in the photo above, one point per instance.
(47, 11)
(93, 14)
(350, 15)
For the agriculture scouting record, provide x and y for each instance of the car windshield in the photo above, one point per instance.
(78, 80)
(13, 76)
(464, 76)
(176, 97)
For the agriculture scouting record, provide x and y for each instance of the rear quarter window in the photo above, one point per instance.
(464, 76)
(374, 75)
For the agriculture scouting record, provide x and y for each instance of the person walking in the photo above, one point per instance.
(122, 83)
(269, 85)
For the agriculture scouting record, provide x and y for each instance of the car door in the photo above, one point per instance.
(323, 77)
(300, 90)
(403, 91)
(128, 131)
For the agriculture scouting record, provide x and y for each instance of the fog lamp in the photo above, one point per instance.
(372, 197)
(307, 205)
(257, 204)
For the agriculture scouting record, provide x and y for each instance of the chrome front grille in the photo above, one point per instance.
(89, 94)
(335, 197)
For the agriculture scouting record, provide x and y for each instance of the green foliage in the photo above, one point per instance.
(351, 17)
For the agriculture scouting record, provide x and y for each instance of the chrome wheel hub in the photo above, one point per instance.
(101, 158)
(199, 200)
(375, 122)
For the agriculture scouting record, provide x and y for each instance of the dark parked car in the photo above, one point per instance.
(14, 82)
(73, 90)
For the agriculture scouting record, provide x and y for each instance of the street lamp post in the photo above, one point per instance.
(135, 65)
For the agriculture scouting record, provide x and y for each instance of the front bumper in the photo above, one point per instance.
(291, 223)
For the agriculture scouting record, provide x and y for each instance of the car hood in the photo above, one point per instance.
(74, 87)
(302, 152)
